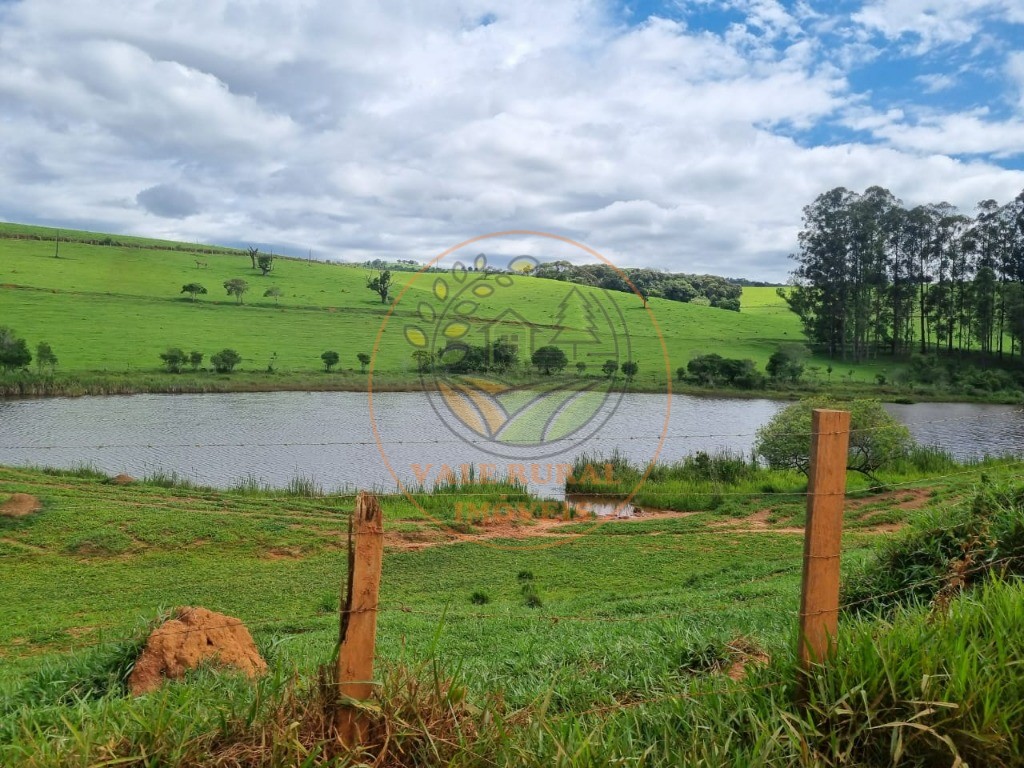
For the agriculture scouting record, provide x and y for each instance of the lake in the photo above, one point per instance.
(223, 439)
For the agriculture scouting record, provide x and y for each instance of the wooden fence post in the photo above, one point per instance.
(826, 489)
(354, 672)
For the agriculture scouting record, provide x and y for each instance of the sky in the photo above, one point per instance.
(684, 135)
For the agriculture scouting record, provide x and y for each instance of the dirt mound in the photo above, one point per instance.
(122, 479)
(19, 505)
(194, 636)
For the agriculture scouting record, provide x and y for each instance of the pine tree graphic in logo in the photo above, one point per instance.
(473, 344)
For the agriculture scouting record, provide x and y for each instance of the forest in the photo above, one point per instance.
(874, 277)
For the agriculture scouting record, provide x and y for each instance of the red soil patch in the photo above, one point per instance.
(19, 505)
(195, 636)
(122, 479)
(744, 654)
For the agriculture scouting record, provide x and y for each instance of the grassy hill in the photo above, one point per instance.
(110, 304)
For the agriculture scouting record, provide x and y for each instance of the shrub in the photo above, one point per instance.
(174, 358)
(876, 438)
(330, 359)
(479, 598)
(225, 360)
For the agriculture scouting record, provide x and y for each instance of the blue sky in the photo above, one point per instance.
(683, 135)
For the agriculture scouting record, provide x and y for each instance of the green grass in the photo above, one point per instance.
(109, 310)
(569, 644)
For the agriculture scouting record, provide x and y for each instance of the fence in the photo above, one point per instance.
(819, 600)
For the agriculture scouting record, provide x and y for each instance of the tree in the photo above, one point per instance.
(549, 359)
(272, 293)
(174, 358)
(575, 321)
(265, 262)
(45, 357)
(581, 368)
(13, 350)
(364, 360)
(424, 360)
(876, 438)
(786, 363)
(236, 286)
(254, 253)
(380, 284)
(195, 359)
(609, 368)
(630, 369)
(225, 360)
(194, 289)
(330, 360)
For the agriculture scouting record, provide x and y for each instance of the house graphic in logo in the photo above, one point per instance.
(511, 328)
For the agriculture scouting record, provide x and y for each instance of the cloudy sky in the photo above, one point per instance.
(684, 135)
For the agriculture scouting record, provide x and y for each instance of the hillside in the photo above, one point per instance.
(109, 310)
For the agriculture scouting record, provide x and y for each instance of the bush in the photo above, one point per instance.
(479, 598)
(330, 359)
(549, 359)
(713, 369)
(876, 438)
(225, 360)
(14, 351)
(174, 358)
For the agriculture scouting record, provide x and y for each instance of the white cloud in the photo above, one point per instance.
(399, 129)
(936, 83)
(936, 22)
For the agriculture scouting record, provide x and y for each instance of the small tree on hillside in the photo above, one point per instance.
(424, 360)
(272, 293)
(194, 289)
(581, 368)
(610, 368)
(174, 358)
(380, 284)
(548, 359)
(330, 360)
(787, 363)
(45, 358)
(13, 350)
(364, 360)
(630, 369)
(225, 360)
(254, 253)
(195, 359)
(236, 286)
(876, 438)
(265, 261)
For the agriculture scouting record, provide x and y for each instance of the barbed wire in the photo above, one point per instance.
(472, 441)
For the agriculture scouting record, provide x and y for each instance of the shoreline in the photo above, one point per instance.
(92, 384)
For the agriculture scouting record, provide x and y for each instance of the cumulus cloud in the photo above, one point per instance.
(398, 129)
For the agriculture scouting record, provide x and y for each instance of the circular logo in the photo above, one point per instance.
(526, 370)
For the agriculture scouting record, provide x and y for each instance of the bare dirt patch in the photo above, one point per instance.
(744, 654)
(284, 553)
(122, 479)
(755, 523)
(194, 636)
(20, 505)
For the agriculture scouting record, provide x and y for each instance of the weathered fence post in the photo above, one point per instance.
(826, 489)
(354, 672)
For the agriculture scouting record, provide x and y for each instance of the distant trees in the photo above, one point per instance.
(424, 360)
(380, 284)
(610, 368)
(581, 368)
(272, 293)
(195, 289)
(330, 359)
(713, 369)
(45, 358)
(876, 438)
(787, 363)
(549, 359)
(265, 262)
(14, 352)
(225, 360)
(364, 360)
(174, 358)
(630, 368)
(236, 286)
(873, 276)
(195, 359)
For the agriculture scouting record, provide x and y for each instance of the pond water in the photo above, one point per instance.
(273, 437)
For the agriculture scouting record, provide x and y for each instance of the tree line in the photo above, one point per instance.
(708, 290)
(875, 277)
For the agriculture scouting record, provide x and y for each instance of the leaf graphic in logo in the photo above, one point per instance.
(474, 407)
(441, 289)
(426, 312)
(415, 336)
(533, 423)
